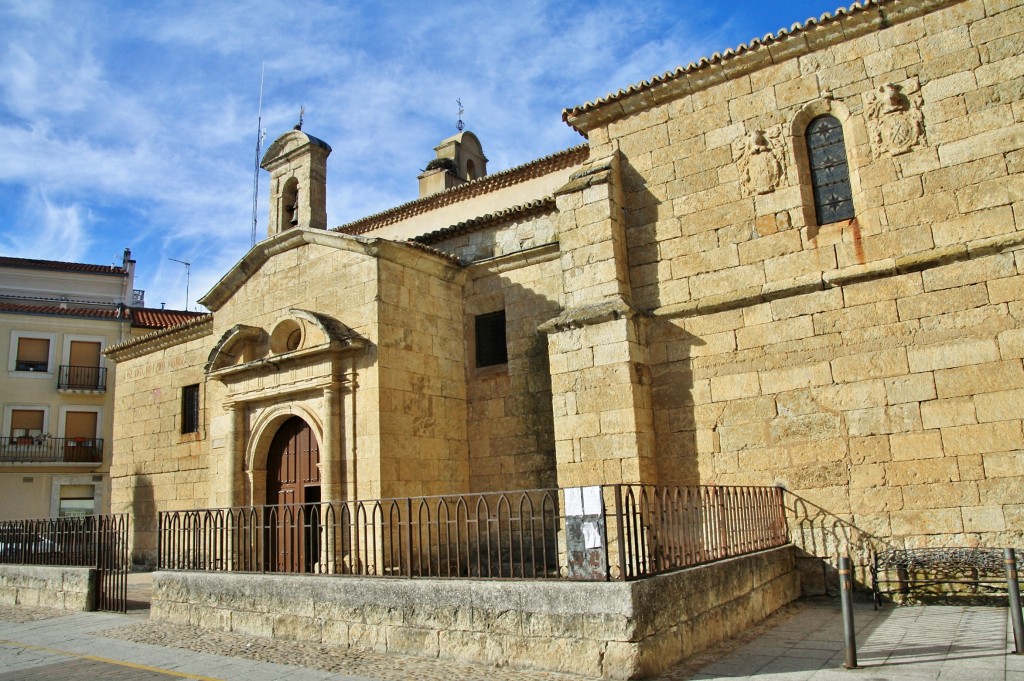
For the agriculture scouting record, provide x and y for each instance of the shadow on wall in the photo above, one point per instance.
(820, 538)
(672, 385)
(144, 525)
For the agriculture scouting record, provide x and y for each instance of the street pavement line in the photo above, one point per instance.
(107, 660)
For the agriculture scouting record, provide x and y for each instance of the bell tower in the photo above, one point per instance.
(297, 164)
(460, 159)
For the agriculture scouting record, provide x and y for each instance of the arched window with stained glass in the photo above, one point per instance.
(830, 170)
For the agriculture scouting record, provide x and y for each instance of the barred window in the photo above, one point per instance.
(190, 409)
(490, 339)
(830, 171)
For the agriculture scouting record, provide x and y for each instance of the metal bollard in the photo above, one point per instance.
(1013, 584)
(846, 598)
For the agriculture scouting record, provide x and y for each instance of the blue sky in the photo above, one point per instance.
(128, 124)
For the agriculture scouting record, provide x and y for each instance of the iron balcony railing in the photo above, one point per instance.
(99, 541)
(44, 449)
(638, 531)
(82, 378)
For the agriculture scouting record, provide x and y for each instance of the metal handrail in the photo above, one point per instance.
(45, 449)
(81, 378)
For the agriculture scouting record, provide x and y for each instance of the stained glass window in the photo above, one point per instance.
(830, 172)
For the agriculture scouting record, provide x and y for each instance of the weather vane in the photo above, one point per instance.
(302, 113)
(460, 125)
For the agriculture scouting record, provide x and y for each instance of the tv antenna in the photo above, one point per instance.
(188, 270)
(460, 125)
(260, 136)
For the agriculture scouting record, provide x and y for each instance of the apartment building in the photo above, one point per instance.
(56, 318)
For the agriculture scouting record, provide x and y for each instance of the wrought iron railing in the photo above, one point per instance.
(82, 378)
(45, 449)
(511, 534)
(658, 529)
(643, 530)
(99, 541)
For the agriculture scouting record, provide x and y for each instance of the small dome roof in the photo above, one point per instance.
(289, 142)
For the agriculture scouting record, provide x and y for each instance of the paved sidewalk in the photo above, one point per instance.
(803, 642)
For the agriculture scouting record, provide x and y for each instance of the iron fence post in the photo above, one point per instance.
(159, 539)
(1013, 584)
(619, 537)
(846, 597)
(408, 535)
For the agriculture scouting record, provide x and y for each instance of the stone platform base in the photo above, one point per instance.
(615, 630)
(65, 588)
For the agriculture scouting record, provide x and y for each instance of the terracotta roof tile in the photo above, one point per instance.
(67, 311)
(522, 211)
(159, 318)
(719, 57)
(27, 263)
(487, 183)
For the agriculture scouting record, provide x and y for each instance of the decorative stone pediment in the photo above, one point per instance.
(301, 351)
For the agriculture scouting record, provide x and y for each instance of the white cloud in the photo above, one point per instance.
(54, 231)
(138, 122)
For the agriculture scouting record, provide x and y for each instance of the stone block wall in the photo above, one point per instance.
(63, 588)
(614, 630)
(421, 364)
(155, 466)
(873, 366)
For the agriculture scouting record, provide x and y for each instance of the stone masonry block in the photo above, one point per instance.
(899, 418)
(979, 378)
(869, 365)
(914, 446)
(983, 438)
(914, 388)
(1005, 405)
(948, 355)
(942, 413)
(792, 378)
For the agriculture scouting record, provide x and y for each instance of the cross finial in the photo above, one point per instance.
(460, 125)
(302, 113)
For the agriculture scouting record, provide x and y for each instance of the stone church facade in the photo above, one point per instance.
(798, 262)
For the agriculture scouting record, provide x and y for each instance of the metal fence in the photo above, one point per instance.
(666, 528)
(511, 534)
(99, 541)
(42, 448)
(643, 530)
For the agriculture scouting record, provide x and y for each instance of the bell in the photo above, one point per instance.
(294, 209)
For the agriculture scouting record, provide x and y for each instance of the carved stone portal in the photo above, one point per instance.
(761, 161)
(894, 118)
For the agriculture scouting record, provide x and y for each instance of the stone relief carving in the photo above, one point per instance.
(761, 160)
(894, 118)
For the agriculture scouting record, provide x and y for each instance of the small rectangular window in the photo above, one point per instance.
(190, 409)
(33, 354)
(490, 339)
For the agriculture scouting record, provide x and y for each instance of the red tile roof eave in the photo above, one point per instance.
(60, 266)
(152, 318)
(56, 311)
(717, 58)
(486, 184)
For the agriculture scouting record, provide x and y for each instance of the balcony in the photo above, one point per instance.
(42, 449)
(82, 379)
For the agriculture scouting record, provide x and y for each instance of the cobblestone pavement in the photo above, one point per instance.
(801, 642)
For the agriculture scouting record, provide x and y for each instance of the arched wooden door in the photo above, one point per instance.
(293, 490)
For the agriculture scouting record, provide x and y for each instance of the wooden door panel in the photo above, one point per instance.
(293, 477)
